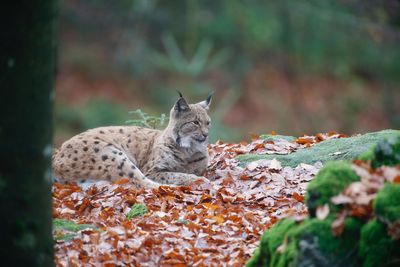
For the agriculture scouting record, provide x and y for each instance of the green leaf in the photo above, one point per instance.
(137, 210)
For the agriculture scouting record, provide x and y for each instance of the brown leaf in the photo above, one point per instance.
(298, 197)
(338, 224)
(306, 140)
(341, 199)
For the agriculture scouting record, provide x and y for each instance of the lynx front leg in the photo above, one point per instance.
(176, 178)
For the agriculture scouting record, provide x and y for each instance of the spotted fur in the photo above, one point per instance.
(177, 156)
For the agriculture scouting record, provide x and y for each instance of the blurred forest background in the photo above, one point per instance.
(294, 67)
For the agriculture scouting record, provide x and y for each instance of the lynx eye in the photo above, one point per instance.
(196, 122)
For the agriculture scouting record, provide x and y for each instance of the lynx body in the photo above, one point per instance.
(178, 155)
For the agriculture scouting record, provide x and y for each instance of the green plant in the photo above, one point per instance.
(202, 60)
(148, 121)
(65, 230)
(188, 71)
(137, 210)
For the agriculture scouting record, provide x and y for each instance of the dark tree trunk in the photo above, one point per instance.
(27, 66)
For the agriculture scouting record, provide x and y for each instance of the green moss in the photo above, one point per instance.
(60, 224)
(330, 181)
(387, 203)
(368, 155)
(137, 210)
(254, 261)
(329, 150)
(276, 235)
(376, 248)
(276, 238)
(387, 152)
(270, 241)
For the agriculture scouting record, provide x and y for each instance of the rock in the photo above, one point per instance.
(329, 150)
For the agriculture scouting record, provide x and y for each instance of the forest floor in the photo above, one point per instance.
(214, 224)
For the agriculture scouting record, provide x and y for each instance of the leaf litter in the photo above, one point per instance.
(213, 224)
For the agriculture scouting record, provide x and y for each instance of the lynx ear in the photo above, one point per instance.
(181, 105)
(206, 103)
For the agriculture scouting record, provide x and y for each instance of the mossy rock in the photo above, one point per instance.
(312, 244)
(387, 153)
(387, 203)
(269, 243)
(309, 243)
(329, 150)
(332, 179)
(369, 154)
(376, 248)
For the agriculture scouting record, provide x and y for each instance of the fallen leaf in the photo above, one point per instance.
(338, 224)
(322, 212)
(298, 197)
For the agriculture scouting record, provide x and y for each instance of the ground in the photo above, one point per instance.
(216, 224)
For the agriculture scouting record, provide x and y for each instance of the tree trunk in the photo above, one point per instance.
(27, 66)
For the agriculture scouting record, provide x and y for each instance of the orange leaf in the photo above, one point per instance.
(218, 218)
(320, 137)
(254, 136)
(210, 206)
(305, 140)
(298, 197)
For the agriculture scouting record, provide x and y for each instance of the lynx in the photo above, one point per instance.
(176, 156)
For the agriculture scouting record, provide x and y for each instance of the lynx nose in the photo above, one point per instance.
(205, 136)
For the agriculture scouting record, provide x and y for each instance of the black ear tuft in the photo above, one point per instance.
(206, 103)
(209, 97)
(180, 94)
(181, 105)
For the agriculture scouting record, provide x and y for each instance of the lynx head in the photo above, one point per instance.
(190, 123)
